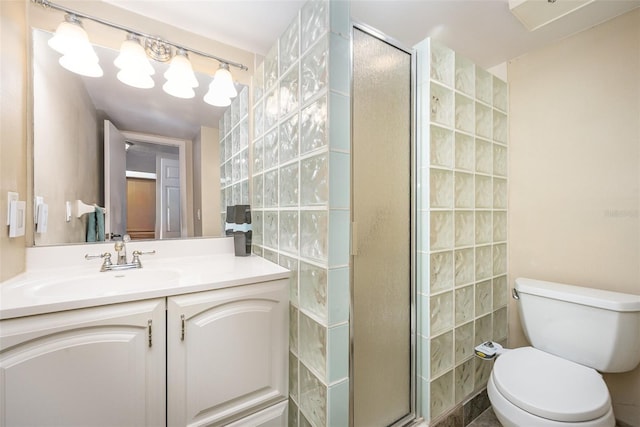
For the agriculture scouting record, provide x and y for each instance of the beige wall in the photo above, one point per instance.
(68, 151)
(574, 171)
(206, 183)
(210, 176)
(13, 126)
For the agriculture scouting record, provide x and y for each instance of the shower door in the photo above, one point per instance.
(382, 361)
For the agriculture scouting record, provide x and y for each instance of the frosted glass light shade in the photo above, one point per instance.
(224, 81)
(180, 71)
(80, 62)
(221, 88)
(72, 42)
(179, 90)
(132, 57)
(69, 36)
(135, 78)
(135, 69)
(216, 97)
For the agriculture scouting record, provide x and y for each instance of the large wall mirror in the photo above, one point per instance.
(156, 162)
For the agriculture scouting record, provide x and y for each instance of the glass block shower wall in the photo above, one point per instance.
(462, 223)
(234, 154)
(300, 200)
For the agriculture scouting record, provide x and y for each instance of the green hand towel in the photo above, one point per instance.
(91, 227)
(99, 223)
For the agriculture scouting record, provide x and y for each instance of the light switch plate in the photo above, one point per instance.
(17, 220)
(11, 197)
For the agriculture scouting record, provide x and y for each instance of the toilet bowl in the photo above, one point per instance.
(529, 387)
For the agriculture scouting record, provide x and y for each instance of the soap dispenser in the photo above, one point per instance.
(238, 225)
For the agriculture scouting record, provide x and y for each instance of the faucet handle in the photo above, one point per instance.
(136, 257)
(104, 255)
(106, 264)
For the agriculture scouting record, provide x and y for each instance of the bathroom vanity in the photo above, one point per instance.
(196, 337)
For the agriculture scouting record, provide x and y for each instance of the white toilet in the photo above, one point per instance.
(575, 332)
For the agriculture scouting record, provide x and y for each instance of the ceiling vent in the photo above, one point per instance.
(537, 13)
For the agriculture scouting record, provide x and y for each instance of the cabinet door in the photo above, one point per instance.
(88, 367)
(227, 353)
(273, 416)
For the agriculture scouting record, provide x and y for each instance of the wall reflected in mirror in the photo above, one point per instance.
(203, 148)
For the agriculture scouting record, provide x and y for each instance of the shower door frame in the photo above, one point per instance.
(411, 417)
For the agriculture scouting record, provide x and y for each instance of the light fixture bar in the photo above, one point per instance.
(48, 4)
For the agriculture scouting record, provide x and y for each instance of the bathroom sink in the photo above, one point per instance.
(103, 284)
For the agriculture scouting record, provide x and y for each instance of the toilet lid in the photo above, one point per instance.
(549, 386)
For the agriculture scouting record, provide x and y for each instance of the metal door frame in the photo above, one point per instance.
(412, 415)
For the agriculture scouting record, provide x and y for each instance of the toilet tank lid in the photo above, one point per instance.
(607, 300)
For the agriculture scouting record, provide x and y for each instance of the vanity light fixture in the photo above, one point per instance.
(72, 42)
(135, 69)
(180, 77)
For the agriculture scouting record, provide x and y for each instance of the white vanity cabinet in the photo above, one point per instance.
(101, 366)
(227, 356)
(196, 337)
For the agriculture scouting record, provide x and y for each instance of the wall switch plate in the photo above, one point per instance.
(17, 220)
(11, 197)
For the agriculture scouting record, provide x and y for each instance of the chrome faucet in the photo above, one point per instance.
(121, 257)
(121, 250)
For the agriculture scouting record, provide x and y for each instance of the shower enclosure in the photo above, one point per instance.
(382, 315)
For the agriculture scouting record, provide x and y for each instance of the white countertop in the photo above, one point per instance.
(58, 278)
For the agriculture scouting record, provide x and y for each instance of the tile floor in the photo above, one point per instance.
(487, 419)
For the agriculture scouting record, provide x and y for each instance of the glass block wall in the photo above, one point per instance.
(462, 154)
(300, 200)
(234, 154)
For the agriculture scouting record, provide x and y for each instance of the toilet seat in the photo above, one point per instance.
(550, 387)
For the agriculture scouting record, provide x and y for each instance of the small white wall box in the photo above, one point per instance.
(18, 211)
(37, 201)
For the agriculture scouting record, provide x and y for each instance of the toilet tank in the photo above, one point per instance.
(593, 327)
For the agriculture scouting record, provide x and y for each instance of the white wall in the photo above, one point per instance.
(574, 194)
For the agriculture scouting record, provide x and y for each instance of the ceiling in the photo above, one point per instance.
(483, 30)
